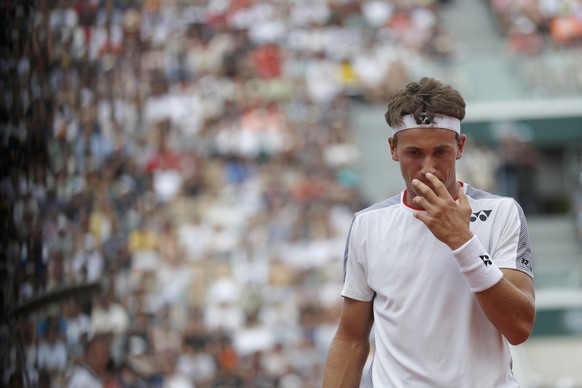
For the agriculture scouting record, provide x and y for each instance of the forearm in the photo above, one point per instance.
(345, 362)
(509, 309)
(506, 296)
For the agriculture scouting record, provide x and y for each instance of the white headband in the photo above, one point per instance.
(441, 121)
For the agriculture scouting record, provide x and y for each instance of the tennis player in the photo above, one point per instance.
(441, 274)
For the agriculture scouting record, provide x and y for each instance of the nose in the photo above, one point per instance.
(428, 165)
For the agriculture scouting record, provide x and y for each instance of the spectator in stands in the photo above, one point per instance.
(110, 317)
(196, 361)
(52, 353)
(517, 170)
(92, 372)
(87, 263)
(578, 208)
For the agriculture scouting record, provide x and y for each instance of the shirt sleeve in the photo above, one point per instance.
(512, 249)
(355, 269)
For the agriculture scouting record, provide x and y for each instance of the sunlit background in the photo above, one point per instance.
(178, 177)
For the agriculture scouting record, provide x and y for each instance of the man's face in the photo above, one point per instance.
(98, 355)
(422, 150)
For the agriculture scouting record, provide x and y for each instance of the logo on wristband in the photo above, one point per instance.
(486, 260)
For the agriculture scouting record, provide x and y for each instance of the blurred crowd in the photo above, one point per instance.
(532, 26)
(177, 181)
(536, 28)
(510, 168)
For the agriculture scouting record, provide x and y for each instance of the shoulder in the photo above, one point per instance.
(476, 194)
(483, 201)
(381, 205)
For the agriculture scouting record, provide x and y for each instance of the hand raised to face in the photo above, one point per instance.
(447, 220)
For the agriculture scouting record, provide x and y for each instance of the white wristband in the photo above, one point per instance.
(476, 264)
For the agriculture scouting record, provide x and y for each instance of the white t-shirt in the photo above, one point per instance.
(82, 377)
(52, 356)
(429, 328)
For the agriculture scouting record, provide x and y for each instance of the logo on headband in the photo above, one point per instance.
(424, 120)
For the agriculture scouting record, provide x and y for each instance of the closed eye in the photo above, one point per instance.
(442, 151)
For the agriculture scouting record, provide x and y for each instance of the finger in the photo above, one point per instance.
(422, 202)
(424, 190)
(421, 216)
(439, 186)
(463, 201)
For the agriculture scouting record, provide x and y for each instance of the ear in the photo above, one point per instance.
(461, 146)
(393, 149)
